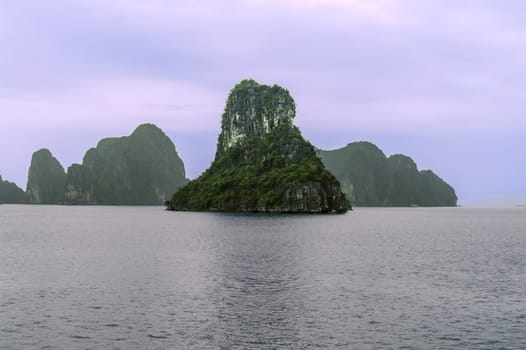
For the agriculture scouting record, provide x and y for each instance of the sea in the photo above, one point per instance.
(102, 277)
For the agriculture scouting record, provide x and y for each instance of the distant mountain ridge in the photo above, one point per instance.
(258, 135)
(369, 178)
(141, 169)
(10, 193)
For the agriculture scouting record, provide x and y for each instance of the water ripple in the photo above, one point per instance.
(141, 278)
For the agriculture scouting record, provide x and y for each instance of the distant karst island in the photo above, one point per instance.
(262, 164)
(370, 179)
(10, 193)
(141, 169)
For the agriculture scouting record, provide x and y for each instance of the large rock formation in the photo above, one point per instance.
(262, 162)
(404, 179)
(80, 185)
(369, 178)
(433, 191)
(10, 193)
(140, 169)
(46, 179)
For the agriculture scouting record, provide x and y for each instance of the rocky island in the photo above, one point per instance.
(46, 179)
(10, 193)
(141, 169)
(262, 162)
(369, 178)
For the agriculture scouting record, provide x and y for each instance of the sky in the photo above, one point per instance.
(443, 81)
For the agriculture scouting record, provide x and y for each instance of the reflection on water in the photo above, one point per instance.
(258, 293)
(143, 278)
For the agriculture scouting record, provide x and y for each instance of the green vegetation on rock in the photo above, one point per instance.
(140, 169)
(10, 193)
(403, 182)
(433, 191)
(262, 162)
(80, 185)
(46, 179)
(369, 178)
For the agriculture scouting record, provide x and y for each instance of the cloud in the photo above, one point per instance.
(356, 59)
(115, 100)
(436, 67)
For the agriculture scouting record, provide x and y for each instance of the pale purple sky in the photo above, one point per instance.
(441, 81)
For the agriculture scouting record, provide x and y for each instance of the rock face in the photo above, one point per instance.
(262, 162)
(254, 110)
(433, 191)
(404, 180)
(80, 185)
(10, 193)
(46, 179)
(140, 169)
(369, 178)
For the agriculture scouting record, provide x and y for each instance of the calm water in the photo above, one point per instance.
(143, 278)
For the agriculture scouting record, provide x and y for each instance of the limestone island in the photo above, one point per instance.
(140, 169)
(262, 162)
(10, 193)
(370, 179)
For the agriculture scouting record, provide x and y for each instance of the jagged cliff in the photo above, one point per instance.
(433, 191)
(80, 185)
(46, 179)
(369, 178)
(262, 162)
(141, 169)
(10, 193)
